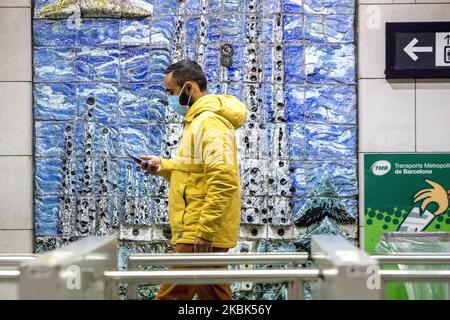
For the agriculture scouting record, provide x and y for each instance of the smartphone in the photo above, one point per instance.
(138, 160)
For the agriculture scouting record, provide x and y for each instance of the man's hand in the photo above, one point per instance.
(152, 164)
(202, 245)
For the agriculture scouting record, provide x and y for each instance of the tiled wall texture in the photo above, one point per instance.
(98, 96)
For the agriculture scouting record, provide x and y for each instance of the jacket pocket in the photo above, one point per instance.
(177, 206)
(195, 199)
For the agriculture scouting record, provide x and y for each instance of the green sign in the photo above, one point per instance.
(405, 192)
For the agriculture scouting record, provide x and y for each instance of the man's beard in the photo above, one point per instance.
(184, 99)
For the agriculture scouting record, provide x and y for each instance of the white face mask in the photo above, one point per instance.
(175, 105)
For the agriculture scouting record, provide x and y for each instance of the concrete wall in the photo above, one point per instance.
(16, 170)
(397, 116)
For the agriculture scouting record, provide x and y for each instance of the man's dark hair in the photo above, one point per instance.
(187, 70)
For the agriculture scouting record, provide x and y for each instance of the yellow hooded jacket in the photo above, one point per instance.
(205, 191)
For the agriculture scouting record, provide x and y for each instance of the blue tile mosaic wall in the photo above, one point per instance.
(98, 96)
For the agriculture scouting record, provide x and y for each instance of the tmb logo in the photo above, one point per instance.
(381, 167)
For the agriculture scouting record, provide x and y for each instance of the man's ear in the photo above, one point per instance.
(189, 86)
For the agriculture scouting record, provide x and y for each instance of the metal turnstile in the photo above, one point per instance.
(344, 269)
(72, 272)
(87, 269)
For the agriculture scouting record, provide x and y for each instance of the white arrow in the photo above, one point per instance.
(410, 49)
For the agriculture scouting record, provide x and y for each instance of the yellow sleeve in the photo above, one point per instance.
(166, 169)
(218, 157)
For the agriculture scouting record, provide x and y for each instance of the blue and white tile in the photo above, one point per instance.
(54, 33)
(49, 138)
(314, 29)
(106, 101)
(191, 51)
(212, 63)
(214, 88)
(278, 140)
(157, 103)
(157, 134)
(236, 70)
(295, 103)
(165, 8)
(106, 140)
(236, 90)
(293, 59)
(293, 28)
(54, 65)
(98, 64)
(329, 6)
(54, 101)
(82, 133)
(339, 29)
(160, 59)
(266, 96)
(333, 63)
(47, 212)
(214, 28)
(327, 142)
(109, 168)
(134, 32)
(134, 139)
(342, 174)
(329, 29)
(134, 64)
(161, 31)
(264, 25)
(129, 178)
(331, 104)
(49, 176)
(192, 26)
(233, 28)
(134, 102)
(292, 6)
(272, 6)
(236, 5)
(267, 62)
(213, 6)
(95, 32)
(194, 7)
(298, 178)
(297, 141)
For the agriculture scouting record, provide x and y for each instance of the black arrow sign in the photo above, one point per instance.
(417, 50)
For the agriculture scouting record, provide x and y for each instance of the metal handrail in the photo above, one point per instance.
(412, 259)
(217, 259)
(297, 276)
(9, 275)
(211, 276)
(15, 260)
(414, 275)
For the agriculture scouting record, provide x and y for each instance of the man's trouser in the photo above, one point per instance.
(187, 292)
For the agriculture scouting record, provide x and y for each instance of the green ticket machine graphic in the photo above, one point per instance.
(404, 193)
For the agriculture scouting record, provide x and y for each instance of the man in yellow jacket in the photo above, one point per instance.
(204, 192)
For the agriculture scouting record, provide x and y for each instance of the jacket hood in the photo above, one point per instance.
(226, 106)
